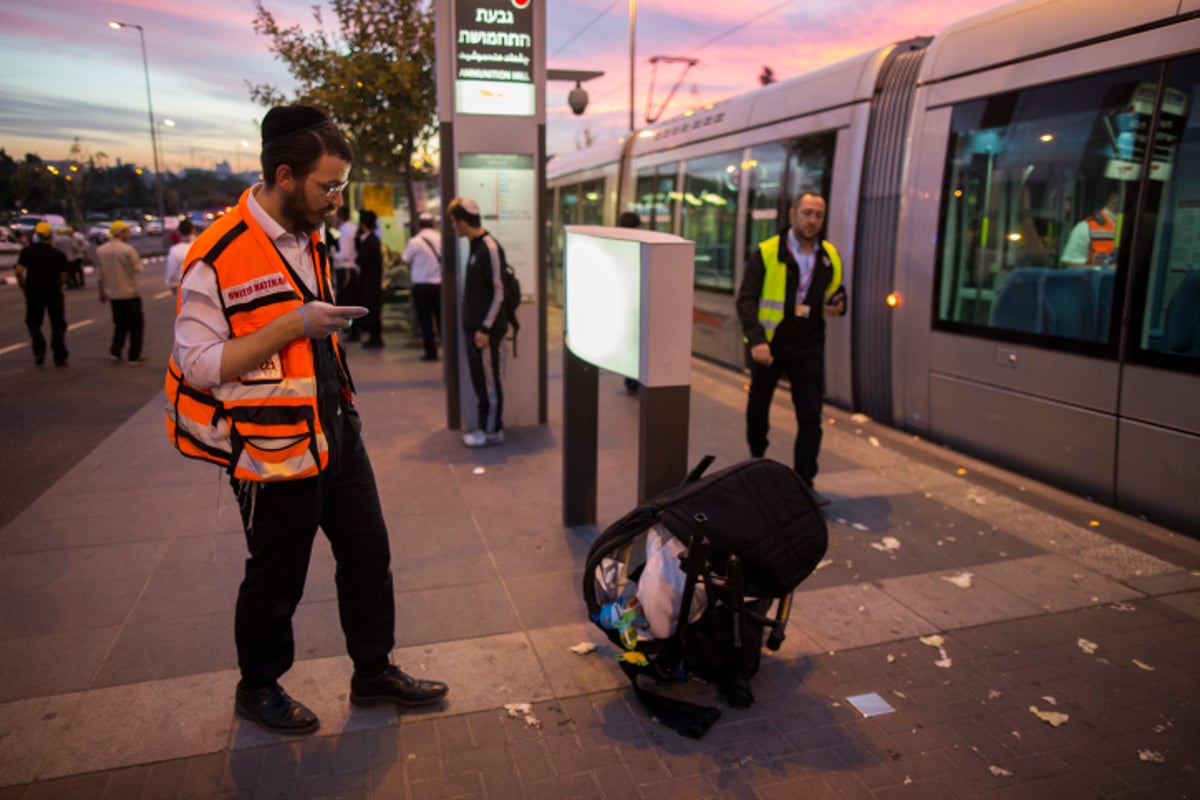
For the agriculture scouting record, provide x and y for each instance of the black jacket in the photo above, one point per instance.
(483, 289)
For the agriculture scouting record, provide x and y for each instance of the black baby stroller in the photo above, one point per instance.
(685, 582)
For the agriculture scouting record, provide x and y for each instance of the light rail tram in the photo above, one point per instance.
(1017, 203)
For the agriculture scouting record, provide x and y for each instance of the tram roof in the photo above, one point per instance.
(1028, 28)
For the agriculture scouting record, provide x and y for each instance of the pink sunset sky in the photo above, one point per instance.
(64, 74)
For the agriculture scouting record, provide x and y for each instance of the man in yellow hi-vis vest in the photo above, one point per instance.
(792, 281)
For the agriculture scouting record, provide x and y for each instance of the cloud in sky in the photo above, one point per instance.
(65, 74)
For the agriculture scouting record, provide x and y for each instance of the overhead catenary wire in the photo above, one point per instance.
(705, 43)
(585, 28)
(738, 27)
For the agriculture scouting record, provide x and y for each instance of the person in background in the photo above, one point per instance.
(630, 219)
(423, 254)
(257, 336)
(792, 281)
(73, 246)
(368, 254)
(482, 323)
(1093, 241)
(119, 267)
(345, 265)
(41, 272)
(178, 252)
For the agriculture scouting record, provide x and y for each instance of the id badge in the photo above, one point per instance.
(802, 310)
(269, 371)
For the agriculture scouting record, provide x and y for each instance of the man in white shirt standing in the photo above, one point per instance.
(345, 261)
(423, 254)
(177, 254)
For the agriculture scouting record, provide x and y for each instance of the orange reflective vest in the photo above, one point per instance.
(1102, 236)
(265, 425)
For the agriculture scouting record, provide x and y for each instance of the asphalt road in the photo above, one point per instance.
(50, 418)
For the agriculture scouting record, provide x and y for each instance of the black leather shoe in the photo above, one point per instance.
(394, 686)
(271, 708)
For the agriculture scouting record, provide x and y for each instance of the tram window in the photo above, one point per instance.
(778, 172)
(1038, 185)
(709, 216)
(591, 203)
(766, 170)
(1170, 323)
(810, 165)
(554, 237)
(656, 197)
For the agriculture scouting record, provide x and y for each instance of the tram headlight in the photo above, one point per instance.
(893, 300)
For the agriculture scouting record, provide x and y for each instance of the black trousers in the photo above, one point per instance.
(486, 381)
(427, 301)
(806, 374)
(127, 321)
(280, 519)
(76, 274)
(37, 307)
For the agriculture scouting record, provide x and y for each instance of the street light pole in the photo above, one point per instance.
(162, 206)
(632, 43)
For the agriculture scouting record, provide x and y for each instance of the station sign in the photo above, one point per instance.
(493, 58)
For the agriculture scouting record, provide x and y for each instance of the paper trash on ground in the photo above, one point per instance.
(870, 705)
(945, 662)
(523, 710)
(962, 580)
(888, 544)
(478, 471)
(999, 772)
(1053, 718)
(582, 649)
(1088, 647)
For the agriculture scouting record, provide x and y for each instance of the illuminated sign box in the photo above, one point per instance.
(628, 305)
(493, 55)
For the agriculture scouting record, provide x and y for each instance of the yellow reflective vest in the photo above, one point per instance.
(265, 425)
(774, 301)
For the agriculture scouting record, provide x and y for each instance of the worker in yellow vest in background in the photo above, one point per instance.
(792, 281)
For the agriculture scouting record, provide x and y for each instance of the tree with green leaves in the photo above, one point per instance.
(375, 77)
(8, 174)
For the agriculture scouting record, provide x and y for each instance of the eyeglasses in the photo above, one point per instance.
(333, 189)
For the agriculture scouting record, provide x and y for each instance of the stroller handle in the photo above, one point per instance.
(777, 635)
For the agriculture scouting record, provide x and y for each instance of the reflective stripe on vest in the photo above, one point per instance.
(773, 303)
(265, 425)
(1102, 236)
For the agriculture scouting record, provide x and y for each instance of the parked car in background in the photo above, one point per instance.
(97, 232)
(27, 223)
(135, 227)
(153, 226)
(10, 248)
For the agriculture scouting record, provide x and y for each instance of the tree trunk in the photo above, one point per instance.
(409, 189)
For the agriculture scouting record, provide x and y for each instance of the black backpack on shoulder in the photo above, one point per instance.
(512, 296)
(746, 537)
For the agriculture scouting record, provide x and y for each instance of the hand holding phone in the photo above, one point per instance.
(321, 319)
